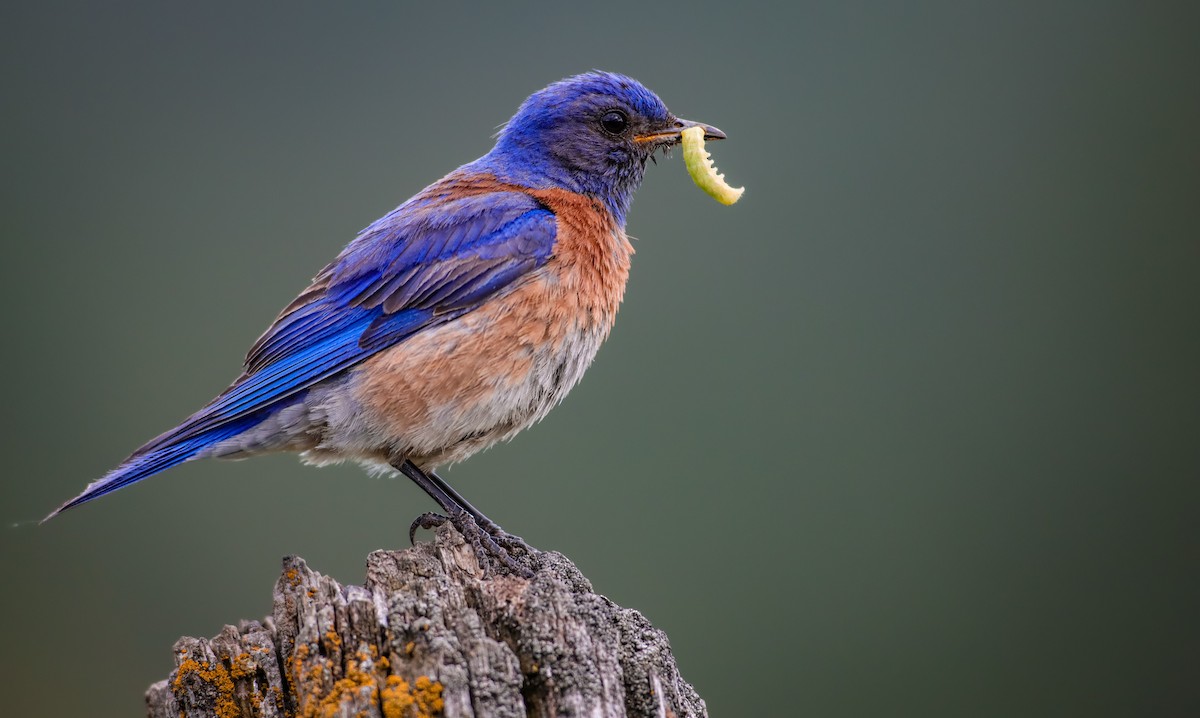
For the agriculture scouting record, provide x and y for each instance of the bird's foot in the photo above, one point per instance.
(487, 549)
(431, 520)
(492, 545)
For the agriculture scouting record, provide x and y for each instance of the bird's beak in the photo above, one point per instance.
(672, 133)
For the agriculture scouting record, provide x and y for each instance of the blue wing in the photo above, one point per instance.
(427, 262)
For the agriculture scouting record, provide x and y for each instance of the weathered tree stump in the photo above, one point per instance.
(429, 634)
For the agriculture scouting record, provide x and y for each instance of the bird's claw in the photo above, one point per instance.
(427, 520)
(509, 541)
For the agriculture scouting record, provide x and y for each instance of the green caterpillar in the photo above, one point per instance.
(700, 167)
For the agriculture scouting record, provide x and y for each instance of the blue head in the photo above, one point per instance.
(591, 133)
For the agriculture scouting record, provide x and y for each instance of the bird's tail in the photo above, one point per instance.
(158, 456)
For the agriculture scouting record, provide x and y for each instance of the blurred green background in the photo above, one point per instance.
(912, 430)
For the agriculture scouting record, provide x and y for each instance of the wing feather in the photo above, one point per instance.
(449, 257)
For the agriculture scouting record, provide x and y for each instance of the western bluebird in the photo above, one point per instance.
(456, 320)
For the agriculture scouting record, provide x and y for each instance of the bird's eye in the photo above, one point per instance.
(614, 122)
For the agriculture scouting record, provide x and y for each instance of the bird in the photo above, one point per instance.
(454, 321)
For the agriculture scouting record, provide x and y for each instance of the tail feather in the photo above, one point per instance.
(144, 463)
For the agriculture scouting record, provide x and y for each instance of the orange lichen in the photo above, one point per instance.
(216, 676)
(293, 577)
(424, 697)
(363, 679)
(241, 666)
(344, 689)
(396, 698)
(428, 694)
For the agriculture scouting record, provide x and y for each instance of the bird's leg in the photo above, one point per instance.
(486, 548)
(504, 538)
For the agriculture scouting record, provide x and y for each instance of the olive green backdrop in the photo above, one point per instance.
(912, 430)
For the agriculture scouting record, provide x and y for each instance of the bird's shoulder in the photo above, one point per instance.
(589, 257)
(588, 233)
